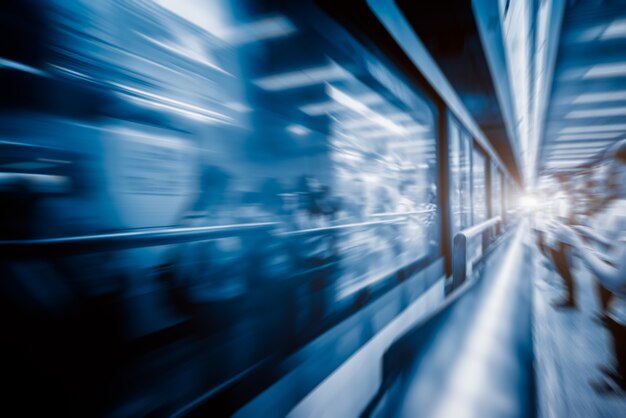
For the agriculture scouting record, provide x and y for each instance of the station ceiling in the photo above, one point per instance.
(587, 109)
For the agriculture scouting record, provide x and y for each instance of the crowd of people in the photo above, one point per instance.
(587, 222)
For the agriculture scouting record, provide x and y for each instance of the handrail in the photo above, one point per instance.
(409, 213)
(314, 231)
(460, 260)
(473, 231)
(83, 244)
(123, 240)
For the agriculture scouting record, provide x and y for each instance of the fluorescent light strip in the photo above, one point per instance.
(617, 69)
(316, 109)
(579, 146)
(591, 137)
(185, 53)
(579, 151)
(594, 128)
(156, 101)
(612, 96)
(267, 28)
(570, 159)
(582, 154)
(616, 30)
(596, 113)
(350, 102)
(303, 78)
(582, 145)
(372, 134)
(565, 163)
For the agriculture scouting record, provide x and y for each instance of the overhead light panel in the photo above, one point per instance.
(616, 30)
(596, 113)
(590, 136)
(594, 128)
(303, 78)
(611, 96)
(581, 145)
(617, 69)
(322, 108)
(360, 108)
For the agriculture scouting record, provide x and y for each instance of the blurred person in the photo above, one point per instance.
(559, 250)
(609, 266)
(597, 197)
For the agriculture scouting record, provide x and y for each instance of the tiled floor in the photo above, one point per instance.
(569, 346)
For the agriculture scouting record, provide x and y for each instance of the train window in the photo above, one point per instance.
(496, 191)
(276, 123)
(313, 159)
(460, 176)
(479, 183)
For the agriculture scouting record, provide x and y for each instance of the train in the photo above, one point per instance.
(194, 189)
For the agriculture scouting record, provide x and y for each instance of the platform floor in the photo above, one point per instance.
(569, 346)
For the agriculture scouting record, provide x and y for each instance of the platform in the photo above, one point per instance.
(569, 346)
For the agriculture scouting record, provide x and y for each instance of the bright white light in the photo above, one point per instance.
(215, 17)
(315, 109)
(378, 133)
(563, 164)
(594, 128)
(421, 146)
(577, 151)
(586, 145)
(570, 154)
(267, 28)
(6, 63)
(616, 30)
(350, 102)
(606, 70)
(298, 130)
(613, 96)
(590, 136)
(238, 107)
(595, 113)
(156, 101)
(304, 77)
(185, 52)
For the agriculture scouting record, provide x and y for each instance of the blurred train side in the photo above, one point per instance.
(139, 115)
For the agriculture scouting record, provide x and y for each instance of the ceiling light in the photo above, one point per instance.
(580, 145)
(594, 113)
(589, 136)
(594, 128)
(617, 29)
(612, 96)
(303, 77)
(606, 70)
(298, 130)
(352, 103)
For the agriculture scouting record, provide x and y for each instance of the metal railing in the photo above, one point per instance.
(462, 261)
(85, 244)
(340, 227)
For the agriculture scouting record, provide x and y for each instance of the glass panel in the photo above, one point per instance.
(496, 191)
(460, 185)
(479, 192)
(176, 114)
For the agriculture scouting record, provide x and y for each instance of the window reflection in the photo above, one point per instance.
(479, 190)
(181, 114)
(460, 176)
(496, 191)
